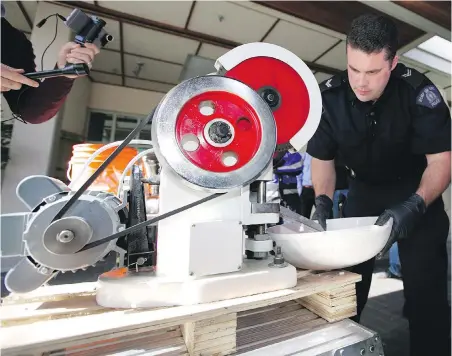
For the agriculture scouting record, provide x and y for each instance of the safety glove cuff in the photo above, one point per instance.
(323, 201)
(324, 207)
(405, 217)
(417, 204)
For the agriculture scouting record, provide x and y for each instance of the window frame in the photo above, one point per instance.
(114, 115)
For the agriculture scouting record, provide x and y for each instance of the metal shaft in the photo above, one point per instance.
(261, 198)
(262, 192)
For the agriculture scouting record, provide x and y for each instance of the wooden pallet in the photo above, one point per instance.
(65, 320)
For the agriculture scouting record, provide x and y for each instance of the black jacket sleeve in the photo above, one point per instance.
(431, 120)
(34, 105)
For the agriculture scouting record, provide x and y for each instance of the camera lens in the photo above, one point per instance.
(109, 38)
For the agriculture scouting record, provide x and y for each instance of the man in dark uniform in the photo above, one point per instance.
(390, 126)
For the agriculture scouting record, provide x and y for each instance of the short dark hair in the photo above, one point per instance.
(373, 33)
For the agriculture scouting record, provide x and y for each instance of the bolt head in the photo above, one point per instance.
(65, 236)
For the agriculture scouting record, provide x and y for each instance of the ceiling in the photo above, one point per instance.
(154, 38)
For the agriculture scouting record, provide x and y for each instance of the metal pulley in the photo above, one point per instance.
(47, 248)
(215, 132)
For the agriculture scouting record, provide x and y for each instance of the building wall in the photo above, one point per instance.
(75, 107)
(106, 97)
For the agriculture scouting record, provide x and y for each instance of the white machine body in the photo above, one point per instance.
(201, 251)
(207, 239)
(215, 138)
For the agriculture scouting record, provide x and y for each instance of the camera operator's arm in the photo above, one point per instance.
(43, 103)
(40, 104)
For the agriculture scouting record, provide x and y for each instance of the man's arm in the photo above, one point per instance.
(431, 127)
(434, 182)
(431, 137)
(322, 147)
(436, 177)
(323, 176)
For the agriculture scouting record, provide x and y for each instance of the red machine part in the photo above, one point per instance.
(240, 141)
(262, 72)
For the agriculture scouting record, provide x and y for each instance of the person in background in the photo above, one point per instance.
(341, 190)
(395, 268)
(286, 170)
(35, 102)
(307, 191)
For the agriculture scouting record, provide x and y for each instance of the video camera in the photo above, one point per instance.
(88, 29)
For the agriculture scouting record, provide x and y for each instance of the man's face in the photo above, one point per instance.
(368, 74)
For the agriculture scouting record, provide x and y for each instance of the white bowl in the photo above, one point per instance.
(347, 242)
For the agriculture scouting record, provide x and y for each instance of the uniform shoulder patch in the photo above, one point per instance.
(333, 82)
(429, 97)
(409, 75)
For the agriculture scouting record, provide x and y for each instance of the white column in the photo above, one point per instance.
(33, 146)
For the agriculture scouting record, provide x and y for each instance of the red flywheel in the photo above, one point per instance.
(218, 131)
(281, 87)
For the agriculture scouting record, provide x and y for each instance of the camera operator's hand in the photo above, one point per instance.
(12, 79)
(73, 53)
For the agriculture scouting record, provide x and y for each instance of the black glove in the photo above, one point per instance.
(323, 209)
(405, 216)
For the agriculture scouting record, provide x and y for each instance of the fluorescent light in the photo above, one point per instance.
(428, 59)
(438, 46)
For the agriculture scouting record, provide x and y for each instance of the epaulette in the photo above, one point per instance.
(332, 83)
(410, 75)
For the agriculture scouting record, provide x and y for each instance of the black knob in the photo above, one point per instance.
(271, 97)
(220, 132)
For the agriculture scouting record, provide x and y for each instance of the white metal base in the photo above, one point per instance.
(340, 338)
(146, 290)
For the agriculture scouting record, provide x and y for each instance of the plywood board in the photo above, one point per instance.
(74, 330)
